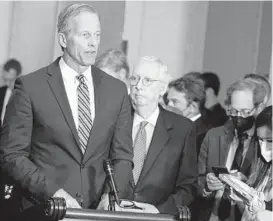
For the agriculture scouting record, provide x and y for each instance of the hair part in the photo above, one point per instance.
(243, 85)
(13, 64)
(69, 12)
(211, 80)
(163, 74)
(193, 88)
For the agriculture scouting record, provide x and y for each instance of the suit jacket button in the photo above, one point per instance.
(83, 166)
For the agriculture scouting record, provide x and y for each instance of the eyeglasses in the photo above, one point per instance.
(244, 113)
(146, 81)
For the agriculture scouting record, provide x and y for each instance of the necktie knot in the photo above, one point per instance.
(81, 79)
(143, 124)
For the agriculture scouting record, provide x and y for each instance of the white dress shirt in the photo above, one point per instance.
(149, 128)
(195, 117)
(71, 83)
(6, 100)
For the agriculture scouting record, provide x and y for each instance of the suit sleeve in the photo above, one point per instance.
(121, 149)
(15, 146)
(186, 184)
(202, 167)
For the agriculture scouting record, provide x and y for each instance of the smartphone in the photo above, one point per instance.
(219, 170)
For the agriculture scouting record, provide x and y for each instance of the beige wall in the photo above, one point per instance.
(233, 47)
(174, 31)
(28, 30)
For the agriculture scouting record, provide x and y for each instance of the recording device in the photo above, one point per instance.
(220, 170)
(108, 168)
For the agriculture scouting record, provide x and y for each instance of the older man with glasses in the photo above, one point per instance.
(230, 146)
(165, 162)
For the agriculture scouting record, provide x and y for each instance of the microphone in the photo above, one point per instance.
(108, 168)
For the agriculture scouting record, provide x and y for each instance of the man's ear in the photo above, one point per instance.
(194, 107)
(122, 73)
(163, 88)
(62, 40)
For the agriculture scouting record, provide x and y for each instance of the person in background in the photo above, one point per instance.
(214, 114)
(262, 81)
(114, 63)
(260, 178)
(165, 162)
(64, 120)
(11, 70)
(186, 96)
(231, 146)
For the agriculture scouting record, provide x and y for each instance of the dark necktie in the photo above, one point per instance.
(139, 150)
(84, 113)
(225, 204)
(238, 158)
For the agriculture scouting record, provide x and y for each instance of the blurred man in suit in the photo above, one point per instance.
(63, 120)
(230, 146)
(186, 96)
(114, 63)
(165, 162)
(214, 114)
(11, 70)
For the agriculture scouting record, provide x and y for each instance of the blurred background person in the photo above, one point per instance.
(214, 114)
(264, 83)
(11, 70)
(186, 96)
(114, 63)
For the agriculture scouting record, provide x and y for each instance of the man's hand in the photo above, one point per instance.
(70, 201)
(213, 183)
(147, 208)
(104, 202)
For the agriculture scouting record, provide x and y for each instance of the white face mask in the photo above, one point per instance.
(266, 150)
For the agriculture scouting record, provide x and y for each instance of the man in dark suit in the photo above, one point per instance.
(63, 120)
(230, 146)
(186, 96)
(165, 162)
(11, 70)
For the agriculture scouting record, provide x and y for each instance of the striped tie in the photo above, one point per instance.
(84, 113)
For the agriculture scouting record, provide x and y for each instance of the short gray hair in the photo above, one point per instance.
(72, 11)
(163, 69)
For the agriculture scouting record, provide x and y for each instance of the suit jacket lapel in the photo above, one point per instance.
(98, 91)
(249, 156)
(56, 84)
(225, 142)
(160, 138)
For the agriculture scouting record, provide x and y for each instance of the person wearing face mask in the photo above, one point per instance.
(232, 146)
(260, 178)
(186, 97)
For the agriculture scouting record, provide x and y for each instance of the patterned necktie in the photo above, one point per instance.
(238, 158)
(139, 150)
(84, 113)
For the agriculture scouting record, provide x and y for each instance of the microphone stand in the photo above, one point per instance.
(112, 200)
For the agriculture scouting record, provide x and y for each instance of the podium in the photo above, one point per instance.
(55, 209)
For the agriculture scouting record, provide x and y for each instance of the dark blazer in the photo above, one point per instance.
(214, 152)
(169, 174)
(201, 130)
(215, 116)
(39, 145)
(2, 97)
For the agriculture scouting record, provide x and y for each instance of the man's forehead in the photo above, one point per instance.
(85, 20)
(176, 94)
(147, 68)
(242, 99)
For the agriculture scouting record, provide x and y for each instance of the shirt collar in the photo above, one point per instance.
(70, 75)
(151, 120)
(195, 117)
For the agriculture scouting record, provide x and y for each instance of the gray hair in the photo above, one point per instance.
(69, 12)
(164, 74)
